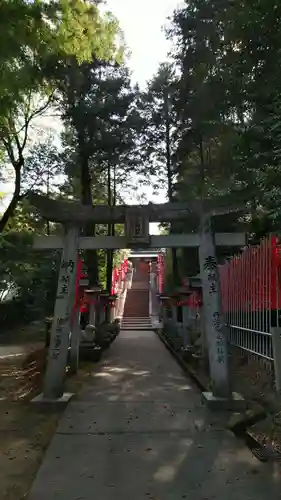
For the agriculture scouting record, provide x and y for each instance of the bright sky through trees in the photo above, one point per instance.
(142, 24)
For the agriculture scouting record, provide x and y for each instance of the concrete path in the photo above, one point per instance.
(138, 431)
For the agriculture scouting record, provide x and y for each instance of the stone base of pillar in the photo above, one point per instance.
(49, 403)
(156, 324)
(235, 403)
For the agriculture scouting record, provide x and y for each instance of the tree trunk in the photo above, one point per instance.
(175, 266)
(9, 212)
(202, 170)
(109, 253)
(86, 199)
(168, 145)
(114, 186)
(48, 195)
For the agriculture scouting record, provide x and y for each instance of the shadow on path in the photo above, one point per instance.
(138, 431)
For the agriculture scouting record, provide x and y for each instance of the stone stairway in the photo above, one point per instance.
(136, 310)
(136, 324)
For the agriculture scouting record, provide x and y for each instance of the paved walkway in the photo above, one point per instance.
(138, 431)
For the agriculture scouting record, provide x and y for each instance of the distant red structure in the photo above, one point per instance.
(118, 275)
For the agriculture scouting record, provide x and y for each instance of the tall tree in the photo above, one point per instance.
(99, 108)
(42, 37)
(161, 138)
(227, 102)
(227, 89)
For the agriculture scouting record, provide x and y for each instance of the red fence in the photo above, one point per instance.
(250, 281)
(118, 275)
(160, 269)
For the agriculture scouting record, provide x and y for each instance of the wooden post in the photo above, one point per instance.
(163, 309)
(185, 324)
(113, 305)
(76, 329)
(175, 314)
(216, 330)
(103, 314)
(92, 313)
(58, 350)
(112, 308)
(203, 337)
(75, 342)
(92, 296)
(276, 344)
(129, 279)
(153, 300)
(104, 307)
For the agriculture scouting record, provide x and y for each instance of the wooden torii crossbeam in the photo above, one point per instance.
(136, 218)
(72, 211)
(155, 241)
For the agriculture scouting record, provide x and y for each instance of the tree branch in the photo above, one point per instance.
(36, 113)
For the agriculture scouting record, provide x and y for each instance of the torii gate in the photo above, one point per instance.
(136, 219)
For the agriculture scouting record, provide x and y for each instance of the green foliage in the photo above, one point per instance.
(209, 122)
(100, 141)
(224, 111)
(25, 220)
(62, 53)
(160, 138)
(40, 40)
(227, 98)
(35, 34)
(29, 279)
(100, 110)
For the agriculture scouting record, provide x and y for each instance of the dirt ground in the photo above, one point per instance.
(256, 383)
(25, 432)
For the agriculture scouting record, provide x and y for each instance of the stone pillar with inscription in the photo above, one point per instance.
(58, 350)
(216, 329)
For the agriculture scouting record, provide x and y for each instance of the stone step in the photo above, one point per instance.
(135, 319)
(133, 323)
(137, 300)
